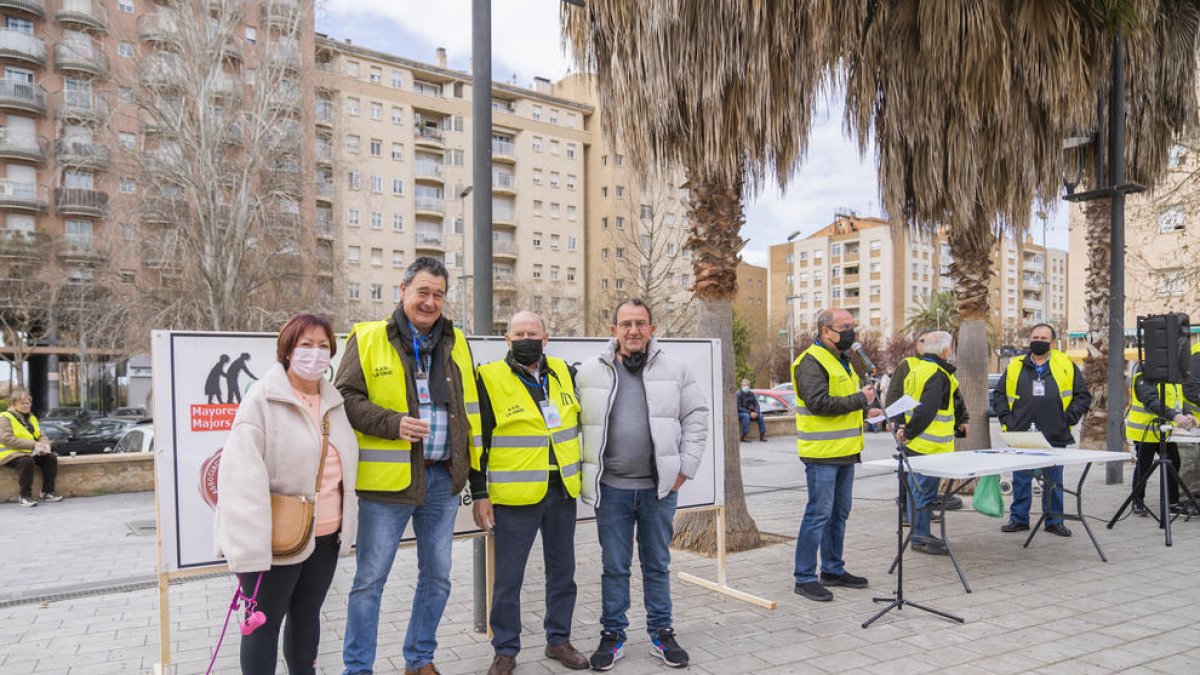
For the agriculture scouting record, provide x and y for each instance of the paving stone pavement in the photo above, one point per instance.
(1052, 608)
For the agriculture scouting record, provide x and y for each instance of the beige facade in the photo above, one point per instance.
(1161, 240)
(881, 274)
(393, 148)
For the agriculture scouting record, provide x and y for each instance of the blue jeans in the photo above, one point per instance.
(744, 418)
(616, 515)
(924, 490)
(830, 496)
(1022, 495)
(380, 529)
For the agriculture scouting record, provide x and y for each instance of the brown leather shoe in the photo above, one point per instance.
(502, 665)
(427, 669)
(567, 655)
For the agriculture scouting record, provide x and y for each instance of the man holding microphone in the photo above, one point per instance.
(830, 399)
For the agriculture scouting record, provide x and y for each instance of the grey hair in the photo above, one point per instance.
(633, 302)
(540, 318)
(824, 319)
(18, 394)
(426, 264)
(936, 342)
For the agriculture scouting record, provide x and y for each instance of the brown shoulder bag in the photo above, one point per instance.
(293, 516)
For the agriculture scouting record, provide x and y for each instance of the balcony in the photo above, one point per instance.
(325, 228)
(504, 248)
(159, 256)
(504, 183)
(21, 245)
(23, 47)
(323, 153)
(82, 13)
(81, 251)
(283, 225)
(281, 13)
(324, 190)
(434, 205)
(428, 171)
(22, 196)
(430, 137)
(504, 151)
(82, 106)
(162, 71)
(22, 96)
(159, 28)
(506, 216)
(284, 56)
(22, 146)
(164, 210)
(323, 112)
(431, 240)
(80, 202)
(82, 154)
(81, 57)
(34, 7)
(504, 283)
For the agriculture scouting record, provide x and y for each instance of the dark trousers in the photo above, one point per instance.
(297, 592)
(515, 529)
(1146, 454)
(23, 464)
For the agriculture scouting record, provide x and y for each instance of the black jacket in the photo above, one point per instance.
(748, 401)
(1191, 386)
(1054, 422)
(1147, 393)
(934, 397)
(896, 390)
(812, 387)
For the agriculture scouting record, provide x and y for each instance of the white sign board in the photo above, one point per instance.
(199, 378)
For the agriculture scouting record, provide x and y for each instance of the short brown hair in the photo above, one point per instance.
(290, 334)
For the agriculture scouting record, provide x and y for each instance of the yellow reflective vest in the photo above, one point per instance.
(20, 432)
(1139, 425)
(385, 464)
(1061, 369)
(518, 467)
(939, 435)
(825, 436)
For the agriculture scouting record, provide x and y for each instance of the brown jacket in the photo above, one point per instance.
(371, 419)
(9, 440)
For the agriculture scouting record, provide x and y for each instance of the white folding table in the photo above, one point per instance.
(963, 466)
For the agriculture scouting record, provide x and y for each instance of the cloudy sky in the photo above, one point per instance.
(526, 43)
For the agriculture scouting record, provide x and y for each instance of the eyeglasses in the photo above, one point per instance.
(841, 328)
(639, 324)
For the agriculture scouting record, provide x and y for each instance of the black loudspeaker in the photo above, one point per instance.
(1163, 347)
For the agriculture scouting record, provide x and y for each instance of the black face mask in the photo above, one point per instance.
(845, 339)
(634, 361)
(1039, 348)
(527, 352)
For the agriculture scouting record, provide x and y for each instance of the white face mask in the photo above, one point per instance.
(746, 388)
(309, 363)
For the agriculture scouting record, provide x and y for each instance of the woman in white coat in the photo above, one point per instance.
(275, 446)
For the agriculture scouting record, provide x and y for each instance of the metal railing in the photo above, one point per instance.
(19, 194)
(504, 247)
(82, 104)
(504, 181)
(22, 244)
(434, 204)
(435, 239)
(22, 95)
(427, 170)
(503, 148)
(82, 56)
(16, 44)
(323, 110)
(429, 134)
(23, 145)
(80, 201)
(80, 153)
(89, 13)
(37, 7)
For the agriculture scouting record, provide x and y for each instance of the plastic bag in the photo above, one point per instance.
(987, 499)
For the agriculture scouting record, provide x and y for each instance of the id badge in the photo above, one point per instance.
(423, 391)
(1039, 388)
(550, 413)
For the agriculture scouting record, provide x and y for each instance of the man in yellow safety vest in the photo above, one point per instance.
(525, 479)
(1150, 405)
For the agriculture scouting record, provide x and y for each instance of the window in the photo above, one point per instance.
(620, 253)
(125, 6)
(572, 120)
(554, 242)
(620, 192)
(1171, 282)
(251, 35)
(553, 116)
(351, 105)
(802, 255)
(876, 268)
(125, 50)
(537, 239)
(128, 187)
(604, 254)
(537, 207)
(353, 143)
(604, 192)
(377, 257)
(620, 222)
(604, 284)
(604, 223)
(537, 176)
(397, 222)
(376, 220)
(571, 181)
(1176, 156)
(397, 115)
(570, 274)
(352, 68)
(670, 248)
(620, 284)
(554, 272)
(397, 259)
(456, 122)
(537, 112)
(353, 254)
(377, 292)
(604, 160)
(376, 111)
(1172, 219)
(571, 212)
(397, 79)
(353, 217)
(125, 94)
(352, 290)
(354, 180)
(376, 147)
(427, 88)
(398, 186)
(126, 140)
(620, 159)
(537, 143)
(554, 147)
(375, 75)
(397, 152)
(554, 179)
(646, 212)
(537, 271)
(457, 157)
(395, 294)
(553, 209)
(377, 184)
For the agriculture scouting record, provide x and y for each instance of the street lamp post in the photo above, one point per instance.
(466, 305)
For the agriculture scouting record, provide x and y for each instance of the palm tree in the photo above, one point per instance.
(939, 313)
(725, 91)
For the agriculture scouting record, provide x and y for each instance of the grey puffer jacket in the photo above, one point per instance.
(678, 413)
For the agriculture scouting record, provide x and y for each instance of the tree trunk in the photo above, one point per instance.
(972, 246)
(715, 211)
(1097, 217)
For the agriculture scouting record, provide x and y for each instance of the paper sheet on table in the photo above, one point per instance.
(898, 407)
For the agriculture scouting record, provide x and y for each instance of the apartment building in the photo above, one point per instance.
(881, 274)
(393, 182)
(1161, 238)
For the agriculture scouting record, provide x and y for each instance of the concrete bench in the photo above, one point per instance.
(89, 475)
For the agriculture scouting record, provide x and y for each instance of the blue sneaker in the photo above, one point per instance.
(609, 651)
(667, 649)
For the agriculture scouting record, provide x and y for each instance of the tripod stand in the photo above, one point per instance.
(898, 601)
(1166, 471)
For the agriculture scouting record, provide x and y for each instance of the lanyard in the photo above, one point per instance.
(545, 384)
(416, 348)
(1041, 369)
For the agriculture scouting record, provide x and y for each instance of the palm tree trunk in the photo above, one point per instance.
(715, 211)
(1097, 217)
(972, 246)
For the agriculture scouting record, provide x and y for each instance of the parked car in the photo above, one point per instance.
(138, 438)
(95, 436)
(775, 402)
(54, 430)
(135, 413)
(784, 386)
(69, 415)
(993, 378)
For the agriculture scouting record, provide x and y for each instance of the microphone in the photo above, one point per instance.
(857, 348)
